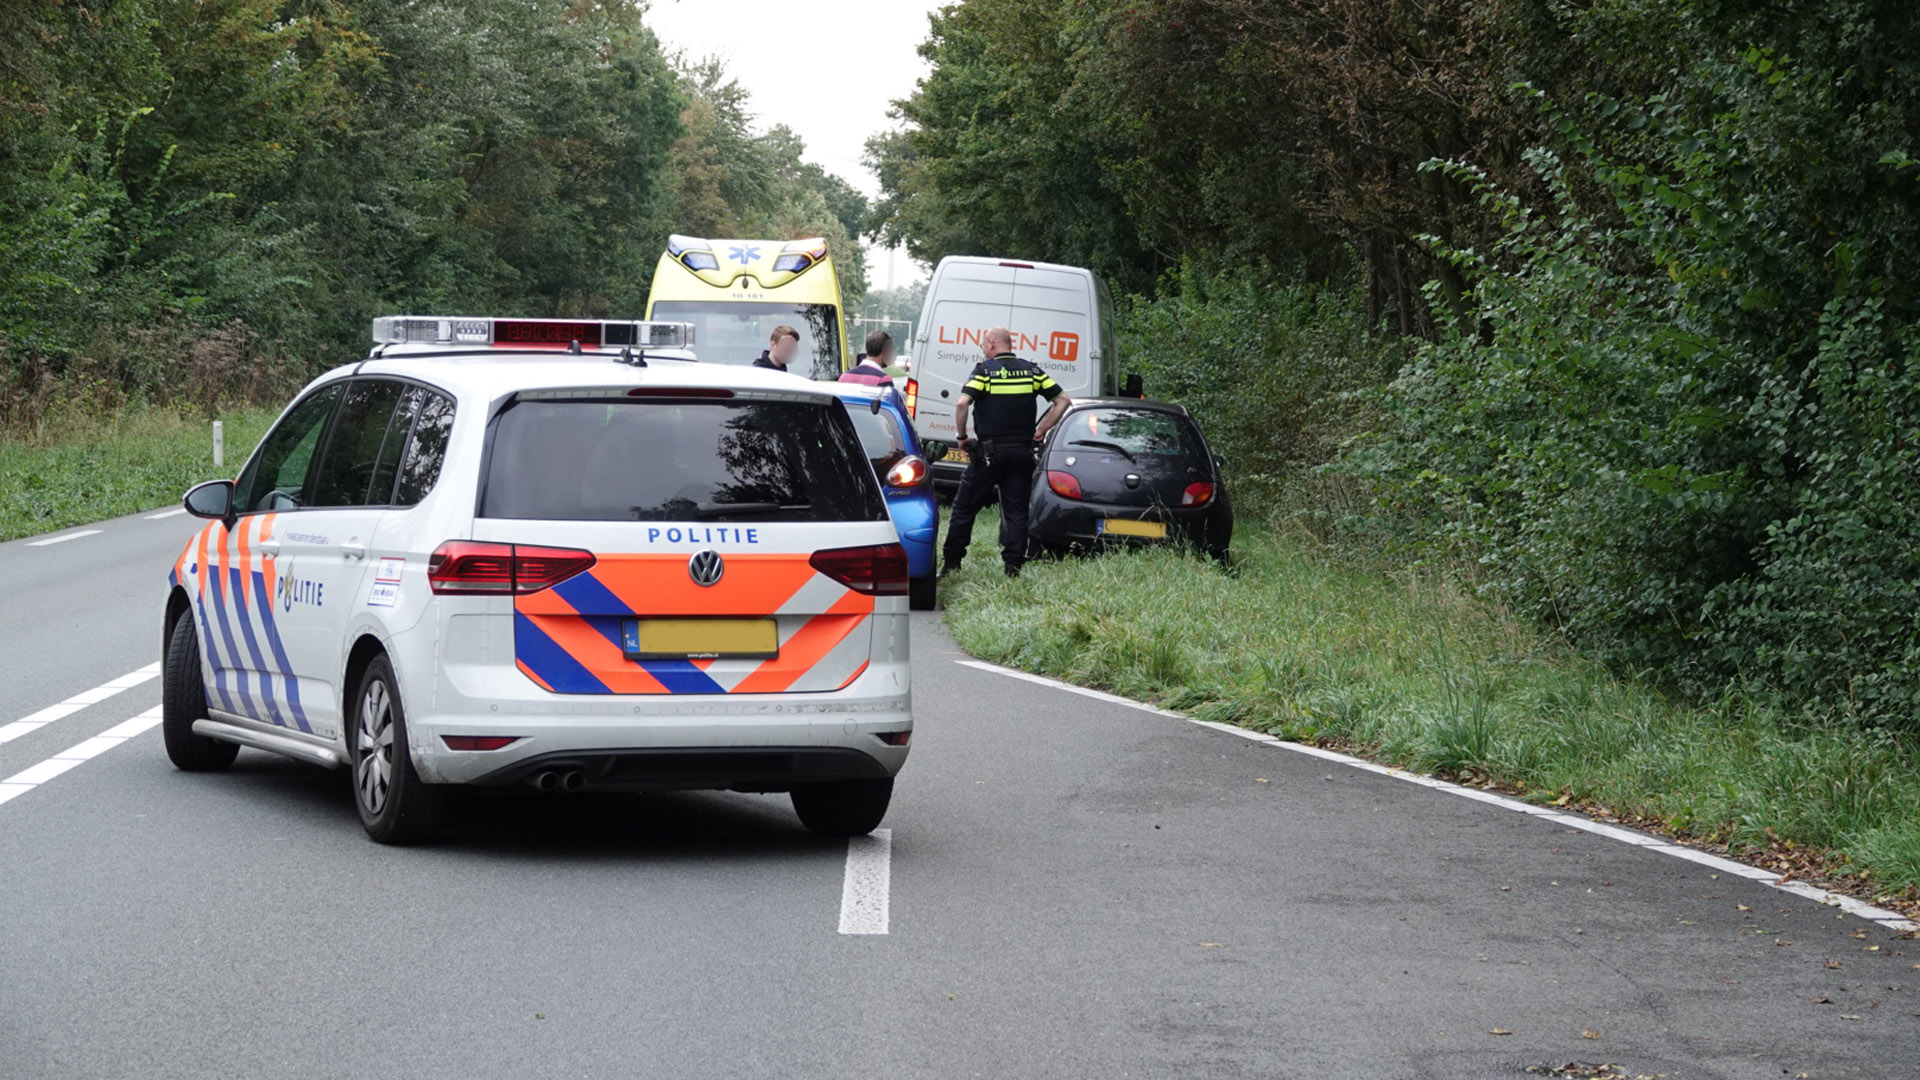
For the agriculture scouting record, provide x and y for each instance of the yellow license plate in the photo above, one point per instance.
(956, 454)
(702, 639)
(1128, 527)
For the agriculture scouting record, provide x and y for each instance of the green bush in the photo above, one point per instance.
(1686, 428)
(1269, 371)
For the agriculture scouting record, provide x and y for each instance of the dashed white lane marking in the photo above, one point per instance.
(1892, 920)
(175, 512)
(33, 722)
(34, 775)
(63, 538)
(863, 899)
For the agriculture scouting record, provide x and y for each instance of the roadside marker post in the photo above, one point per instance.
(219, 445)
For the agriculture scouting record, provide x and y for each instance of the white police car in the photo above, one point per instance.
(549, 553)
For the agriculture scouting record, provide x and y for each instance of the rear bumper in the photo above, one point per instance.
(769, 768)
(646, 740)
(1059, 523)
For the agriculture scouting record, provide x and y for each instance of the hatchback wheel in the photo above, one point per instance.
(183, 699)
(396, 806)
(843, 808)
(922, 592)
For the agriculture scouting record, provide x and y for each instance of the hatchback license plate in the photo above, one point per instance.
(1128, 527)
(701, 639)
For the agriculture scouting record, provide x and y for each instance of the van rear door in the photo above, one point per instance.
(1051, 311)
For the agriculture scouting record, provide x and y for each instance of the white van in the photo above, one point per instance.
(1061, 318)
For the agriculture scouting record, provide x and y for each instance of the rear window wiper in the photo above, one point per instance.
(1102, 444)
(716, 510)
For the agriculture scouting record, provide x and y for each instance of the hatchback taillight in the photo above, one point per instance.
(476, 568)
(1064, 484)
(877, 570)
(908, 472)
(1197, 494)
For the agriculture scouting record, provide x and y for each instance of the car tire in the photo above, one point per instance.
(183, 699)
(922, 593)
(844, 807)
(396, 806)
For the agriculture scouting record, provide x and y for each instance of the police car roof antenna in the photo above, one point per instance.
(574, 348)
(627, 357)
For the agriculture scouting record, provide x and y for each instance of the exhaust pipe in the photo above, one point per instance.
(572, 780)
(546, 780)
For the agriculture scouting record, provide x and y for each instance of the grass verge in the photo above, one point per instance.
(104, 468)
(1411, 672)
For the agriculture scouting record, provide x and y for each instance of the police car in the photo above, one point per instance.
(549, 553)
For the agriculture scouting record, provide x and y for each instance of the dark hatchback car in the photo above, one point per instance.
(1132, 472)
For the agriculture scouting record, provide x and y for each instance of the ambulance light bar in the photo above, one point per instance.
(533, 333)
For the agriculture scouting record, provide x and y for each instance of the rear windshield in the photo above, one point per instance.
(596, 460)
(880, 434)
(1137, 431)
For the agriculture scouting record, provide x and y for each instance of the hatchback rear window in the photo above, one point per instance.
(686, 460)
(1134, 431)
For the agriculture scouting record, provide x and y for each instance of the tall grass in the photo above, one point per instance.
(54, 476)
(1409, 670)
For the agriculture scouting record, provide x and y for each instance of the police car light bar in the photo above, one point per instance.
(530, 333)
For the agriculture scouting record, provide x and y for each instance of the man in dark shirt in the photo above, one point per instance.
(780, 348)
(999, 398)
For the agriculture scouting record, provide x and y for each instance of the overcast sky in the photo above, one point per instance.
(802, 60)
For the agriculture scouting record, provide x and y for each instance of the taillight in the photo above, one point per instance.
(1197, 494)
(909, 471)
(878, 570)
(476, 568)
(1064, 484)
(478, 742)
(913, 398)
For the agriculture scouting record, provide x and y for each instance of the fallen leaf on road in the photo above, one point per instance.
(1743, 907)
(1821, 1000)
(1873, 948)
(1209, 944)
(1589, 1034)
(1783, 944)
(1261, 780)
(1851, 1016)
(1499, 1031)
(1506, 888)
(1835, 965)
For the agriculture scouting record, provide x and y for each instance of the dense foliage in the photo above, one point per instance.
(268, 174)
(1659, 263)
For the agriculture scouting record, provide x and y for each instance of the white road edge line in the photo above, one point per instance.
(175, 512)
(863, 898)
(1892, 920)
(34, 775)
(33, 722)
(63, 538)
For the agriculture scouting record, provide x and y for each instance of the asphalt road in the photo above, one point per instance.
(1077, 889)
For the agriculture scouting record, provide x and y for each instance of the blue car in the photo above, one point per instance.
(880, 416)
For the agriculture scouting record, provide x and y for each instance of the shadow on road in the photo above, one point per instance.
(515, 823)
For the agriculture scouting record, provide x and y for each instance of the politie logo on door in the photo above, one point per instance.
(296, 590)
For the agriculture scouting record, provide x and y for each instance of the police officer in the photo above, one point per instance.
(998, 398)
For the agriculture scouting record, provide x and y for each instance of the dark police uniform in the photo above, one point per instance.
(1001, 393)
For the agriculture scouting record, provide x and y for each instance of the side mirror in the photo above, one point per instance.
(1135, 388)
(212, 500)
(934, 449)
(875, 406)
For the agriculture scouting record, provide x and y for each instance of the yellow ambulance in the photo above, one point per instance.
(734, 292)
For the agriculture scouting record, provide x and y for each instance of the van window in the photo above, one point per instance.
(730, 332)
(690, 460)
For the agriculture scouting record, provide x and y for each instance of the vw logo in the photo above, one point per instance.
(706, 567)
